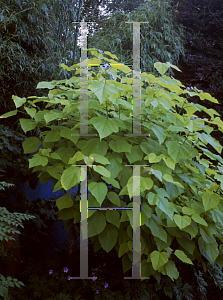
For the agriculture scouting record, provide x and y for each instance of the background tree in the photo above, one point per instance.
(161, 39)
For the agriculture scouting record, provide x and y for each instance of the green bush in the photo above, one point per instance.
(7, 218)
(181, 204)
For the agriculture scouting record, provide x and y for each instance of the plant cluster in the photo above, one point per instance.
(6, 219)
(181, 191)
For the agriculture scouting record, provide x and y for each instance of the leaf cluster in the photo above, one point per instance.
(181, 217)
(6, 220)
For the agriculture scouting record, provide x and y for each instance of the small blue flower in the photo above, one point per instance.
(68, 278)
(65, 270)
(94, 278)
(106, 285)
(50, 271)
(97, 291)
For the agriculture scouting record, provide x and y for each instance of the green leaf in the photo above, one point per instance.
(209, 251)
(111, 55)
(103, 90)
(169, 178)
(94, 145)
(67, 133)
(158, 259)
(45, 85)
(177, 151)
(170, 269)
(156, 172)
(136, 154)
(52, 136)
(27, 124)
(54, 155)
(65, 153)
(207, 96)
(124, 248)
(153, 158)
(146, 212)
(101, 170)
(108, 237)
(99, 191)
(120, 146)
(156, 230)
(113, 217)
(104, 126)
(71, 177)
(53, 115)
(55, 170)
(187, 244)
(205, 138)
(4, 291)
(64, 202)
(182, 256)
(9, 114)
(197, 218)
(113, 197)
(100, 159)
(169, 162)
(217, 216)
(210, 200)
(126, 263)
(38, 160)
(159, 132)
(111, 181)
(146, 184)
(77, 157)
(182, 221)
(18, 101)
(160, 200)
(96, 223)
(31, 145)
(205, 237)
(187, 211)
(31, 111)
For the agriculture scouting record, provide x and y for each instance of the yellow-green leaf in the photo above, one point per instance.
(182, 256)
(31, 145)
(64, 202)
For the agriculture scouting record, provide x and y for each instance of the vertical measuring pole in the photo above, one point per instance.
(83, 84)
(83, 132)
(136, 271)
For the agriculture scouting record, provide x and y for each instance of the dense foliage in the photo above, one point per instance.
(180, 193)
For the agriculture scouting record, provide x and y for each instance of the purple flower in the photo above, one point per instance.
(94, 278)
(106, 285)
(65, 269)
(93, 273)
(50, 271)
(104, 265)
(97, 291)
(68, 278)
